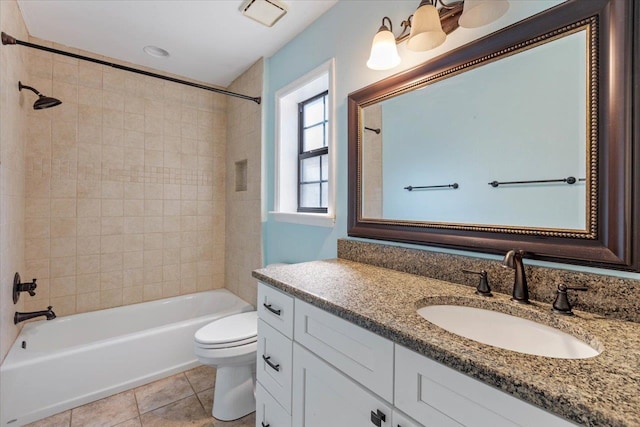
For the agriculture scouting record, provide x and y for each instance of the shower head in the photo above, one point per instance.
(43, 101)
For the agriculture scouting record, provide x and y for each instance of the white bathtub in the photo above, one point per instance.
(73, 360)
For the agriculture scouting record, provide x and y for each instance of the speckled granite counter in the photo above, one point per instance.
(601, 391)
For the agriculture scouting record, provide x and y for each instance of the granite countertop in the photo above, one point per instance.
(600, 391)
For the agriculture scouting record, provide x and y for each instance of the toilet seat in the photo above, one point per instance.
(231, 331)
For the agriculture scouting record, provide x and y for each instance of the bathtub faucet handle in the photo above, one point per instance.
(19, 287)
(30, 287)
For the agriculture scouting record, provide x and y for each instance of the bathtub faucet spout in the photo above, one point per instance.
(21, 317)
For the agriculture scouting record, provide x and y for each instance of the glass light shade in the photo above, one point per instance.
(426, 29)
(384, 52)
(477, 13)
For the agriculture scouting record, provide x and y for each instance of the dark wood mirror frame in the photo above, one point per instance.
(616, 243)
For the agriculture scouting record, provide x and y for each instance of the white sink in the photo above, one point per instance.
(506, 331)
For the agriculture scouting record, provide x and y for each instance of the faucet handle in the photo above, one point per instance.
(483, 288)
(561, 305)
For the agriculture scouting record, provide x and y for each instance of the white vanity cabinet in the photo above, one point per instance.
(331, 372)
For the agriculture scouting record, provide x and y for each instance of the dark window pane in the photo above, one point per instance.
(314, 112)
(325, 167)
(310, 169)
(309, 195)
(325, 194)
(313, 138)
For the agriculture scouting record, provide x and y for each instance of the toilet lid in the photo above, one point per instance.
(230, 329)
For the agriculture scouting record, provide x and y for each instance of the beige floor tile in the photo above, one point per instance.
(163, 392)
(185, 412)
(206, 398)
(201, 378)
(134, 422)
(106, 412)
(63, 419)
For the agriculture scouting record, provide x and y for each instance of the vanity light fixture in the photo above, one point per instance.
(428, 27)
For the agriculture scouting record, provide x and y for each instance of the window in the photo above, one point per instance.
(313, 155)
(304, 155)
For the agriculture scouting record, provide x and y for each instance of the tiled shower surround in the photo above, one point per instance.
(125, 186)
(14, 108)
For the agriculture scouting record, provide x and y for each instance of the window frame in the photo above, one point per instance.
(285, 148)
(317, 152)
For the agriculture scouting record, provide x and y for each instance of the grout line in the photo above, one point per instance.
(135, 398)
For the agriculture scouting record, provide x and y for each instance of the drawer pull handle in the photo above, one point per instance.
(274, 367)
(264, 425)
(378, 417)
(273, 310)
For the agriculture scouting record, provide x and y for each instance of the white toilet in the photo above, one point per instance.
(229, 344)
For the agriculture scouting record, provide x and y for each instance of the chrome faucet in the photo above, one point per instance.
(513, 259)
(21, 317)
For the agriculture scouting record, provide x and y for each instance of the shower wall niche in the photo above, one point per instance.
(125, 186)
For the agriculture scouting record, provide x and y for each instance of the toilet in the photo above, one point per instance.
(229, 344)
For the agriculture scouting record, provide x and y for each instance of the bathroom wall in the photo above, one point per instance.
(344, 32)
(244, 152)
(14, 108)
(124, 186)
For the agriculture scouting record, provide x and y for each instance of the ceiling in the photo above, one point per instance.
(208, 40)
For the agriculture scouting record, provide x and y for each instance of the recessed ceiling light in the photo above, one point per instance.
(266, 12)
(155, 51)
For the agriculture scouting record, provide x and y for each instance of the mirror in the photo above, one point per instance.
(507, 142)
(430, 154)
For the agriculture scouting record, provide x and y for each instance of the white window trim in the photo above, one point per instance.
(287, 98)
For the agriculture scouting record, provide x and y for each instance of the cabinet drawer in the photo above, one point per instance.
(436, 395)
(362, 355)
(276, 308)
(275, 360)
(268, 412)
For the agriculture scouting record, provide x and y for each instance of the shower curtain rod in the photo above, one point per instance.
(7, 39)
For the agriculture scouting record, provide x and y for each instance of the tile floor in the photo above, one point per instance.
(183, 399)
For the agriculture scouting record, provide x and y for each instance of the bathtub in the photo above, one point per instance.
(73, 360)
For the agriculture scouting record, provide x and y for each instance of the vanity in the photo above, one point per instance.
(340, 343)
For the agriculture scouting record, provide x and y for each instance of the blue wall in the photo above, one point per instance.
(345, 33)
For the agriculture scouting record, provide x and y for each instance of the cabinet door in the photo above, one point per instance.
(398, 419)
(268, 411)
(323, 396)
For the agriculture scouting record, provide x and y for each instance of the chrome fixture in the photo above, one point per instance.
(43, 101)
(19, 287)
(483, 288)
(21, 317)
(513, 259)
(428, 28)
(561, 305)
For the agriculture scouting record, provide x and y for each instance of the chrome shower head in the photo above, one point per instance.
(43, 101)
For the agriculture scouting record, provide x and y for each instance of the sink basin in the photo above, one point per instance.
(507, 331)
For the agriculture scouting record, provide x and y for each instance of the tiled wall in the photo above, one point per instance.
(14, 107)
(244, 142)
(125, 186)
